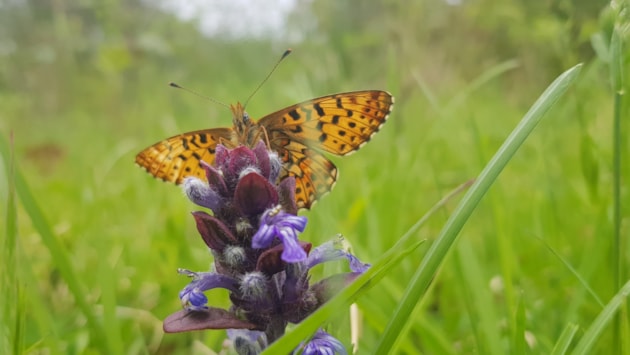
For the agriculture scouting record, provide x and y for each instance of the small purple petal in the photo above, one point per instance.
(331, 251)
(356, 265)
(209, 280)
(323, 253)
(200, 193)
(323, 343)
(204, 281)
(193, 299)
(277, 223)
(289, 220)
(293, 252)
(264, 236)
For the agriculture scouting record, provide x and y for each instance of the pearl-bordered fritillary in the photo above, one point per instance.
(338, 124)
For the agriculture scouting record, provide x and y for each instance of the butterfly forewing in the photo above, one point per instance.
(177, 157)
(338, 124)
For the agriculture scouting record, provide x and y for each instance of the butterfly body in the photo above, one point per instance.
(338, 124)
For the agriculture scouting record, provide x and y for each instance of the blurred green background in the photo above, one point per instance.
(83, 88)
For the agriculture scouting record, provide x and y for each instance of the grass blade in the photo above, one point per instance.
(477, 299)
(447, 237)
(562, 345)
(56, 249)
(12, 316)
(606, 316)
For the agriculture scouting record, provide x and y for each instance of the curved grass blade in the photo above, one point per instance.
(438, 250)
(562, 345)
(607, 315)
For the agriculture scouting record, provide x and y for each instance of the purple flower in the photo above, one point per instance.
(246, 176)
(277, 223)
(323, 343)
(202, 194)
(193, 299)
(330, 251)
(252, 232)
(192, 296)
(356, 265)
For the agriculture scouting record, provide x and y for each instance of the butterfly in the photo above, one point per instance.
(338, 124)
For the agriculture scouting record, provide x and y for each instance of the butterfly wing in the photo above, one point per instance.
(314, 174)
(339, 124)
(177, 157)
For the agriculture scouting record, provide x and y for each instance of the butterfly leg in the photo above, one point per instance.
(264, 130)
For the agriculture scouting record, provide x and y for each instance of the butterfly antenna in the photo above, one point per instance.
(199, 95)
(284, 55)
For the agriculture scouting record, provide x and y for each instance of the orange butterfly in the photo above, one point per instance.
(339, 124)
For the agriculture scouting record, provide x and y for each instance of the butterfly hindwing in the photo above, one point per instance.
(314, 174)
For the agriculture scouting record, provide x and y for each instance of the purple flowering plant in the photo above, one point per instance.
(253, 235)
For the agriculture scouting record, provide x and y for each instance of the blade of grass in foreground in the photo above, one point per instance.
(562, 345)
(56, 249)
(393, 256)
(585, 346)
(437, 252)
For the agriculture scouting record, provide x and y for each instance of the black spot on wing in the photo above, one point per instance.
(319, 109)
(295, 115)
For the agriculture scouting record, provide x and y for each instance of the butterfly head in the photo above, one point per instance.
(240, 119)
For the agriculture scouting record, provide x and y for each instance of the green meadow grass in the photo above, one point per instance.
(532, 258)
